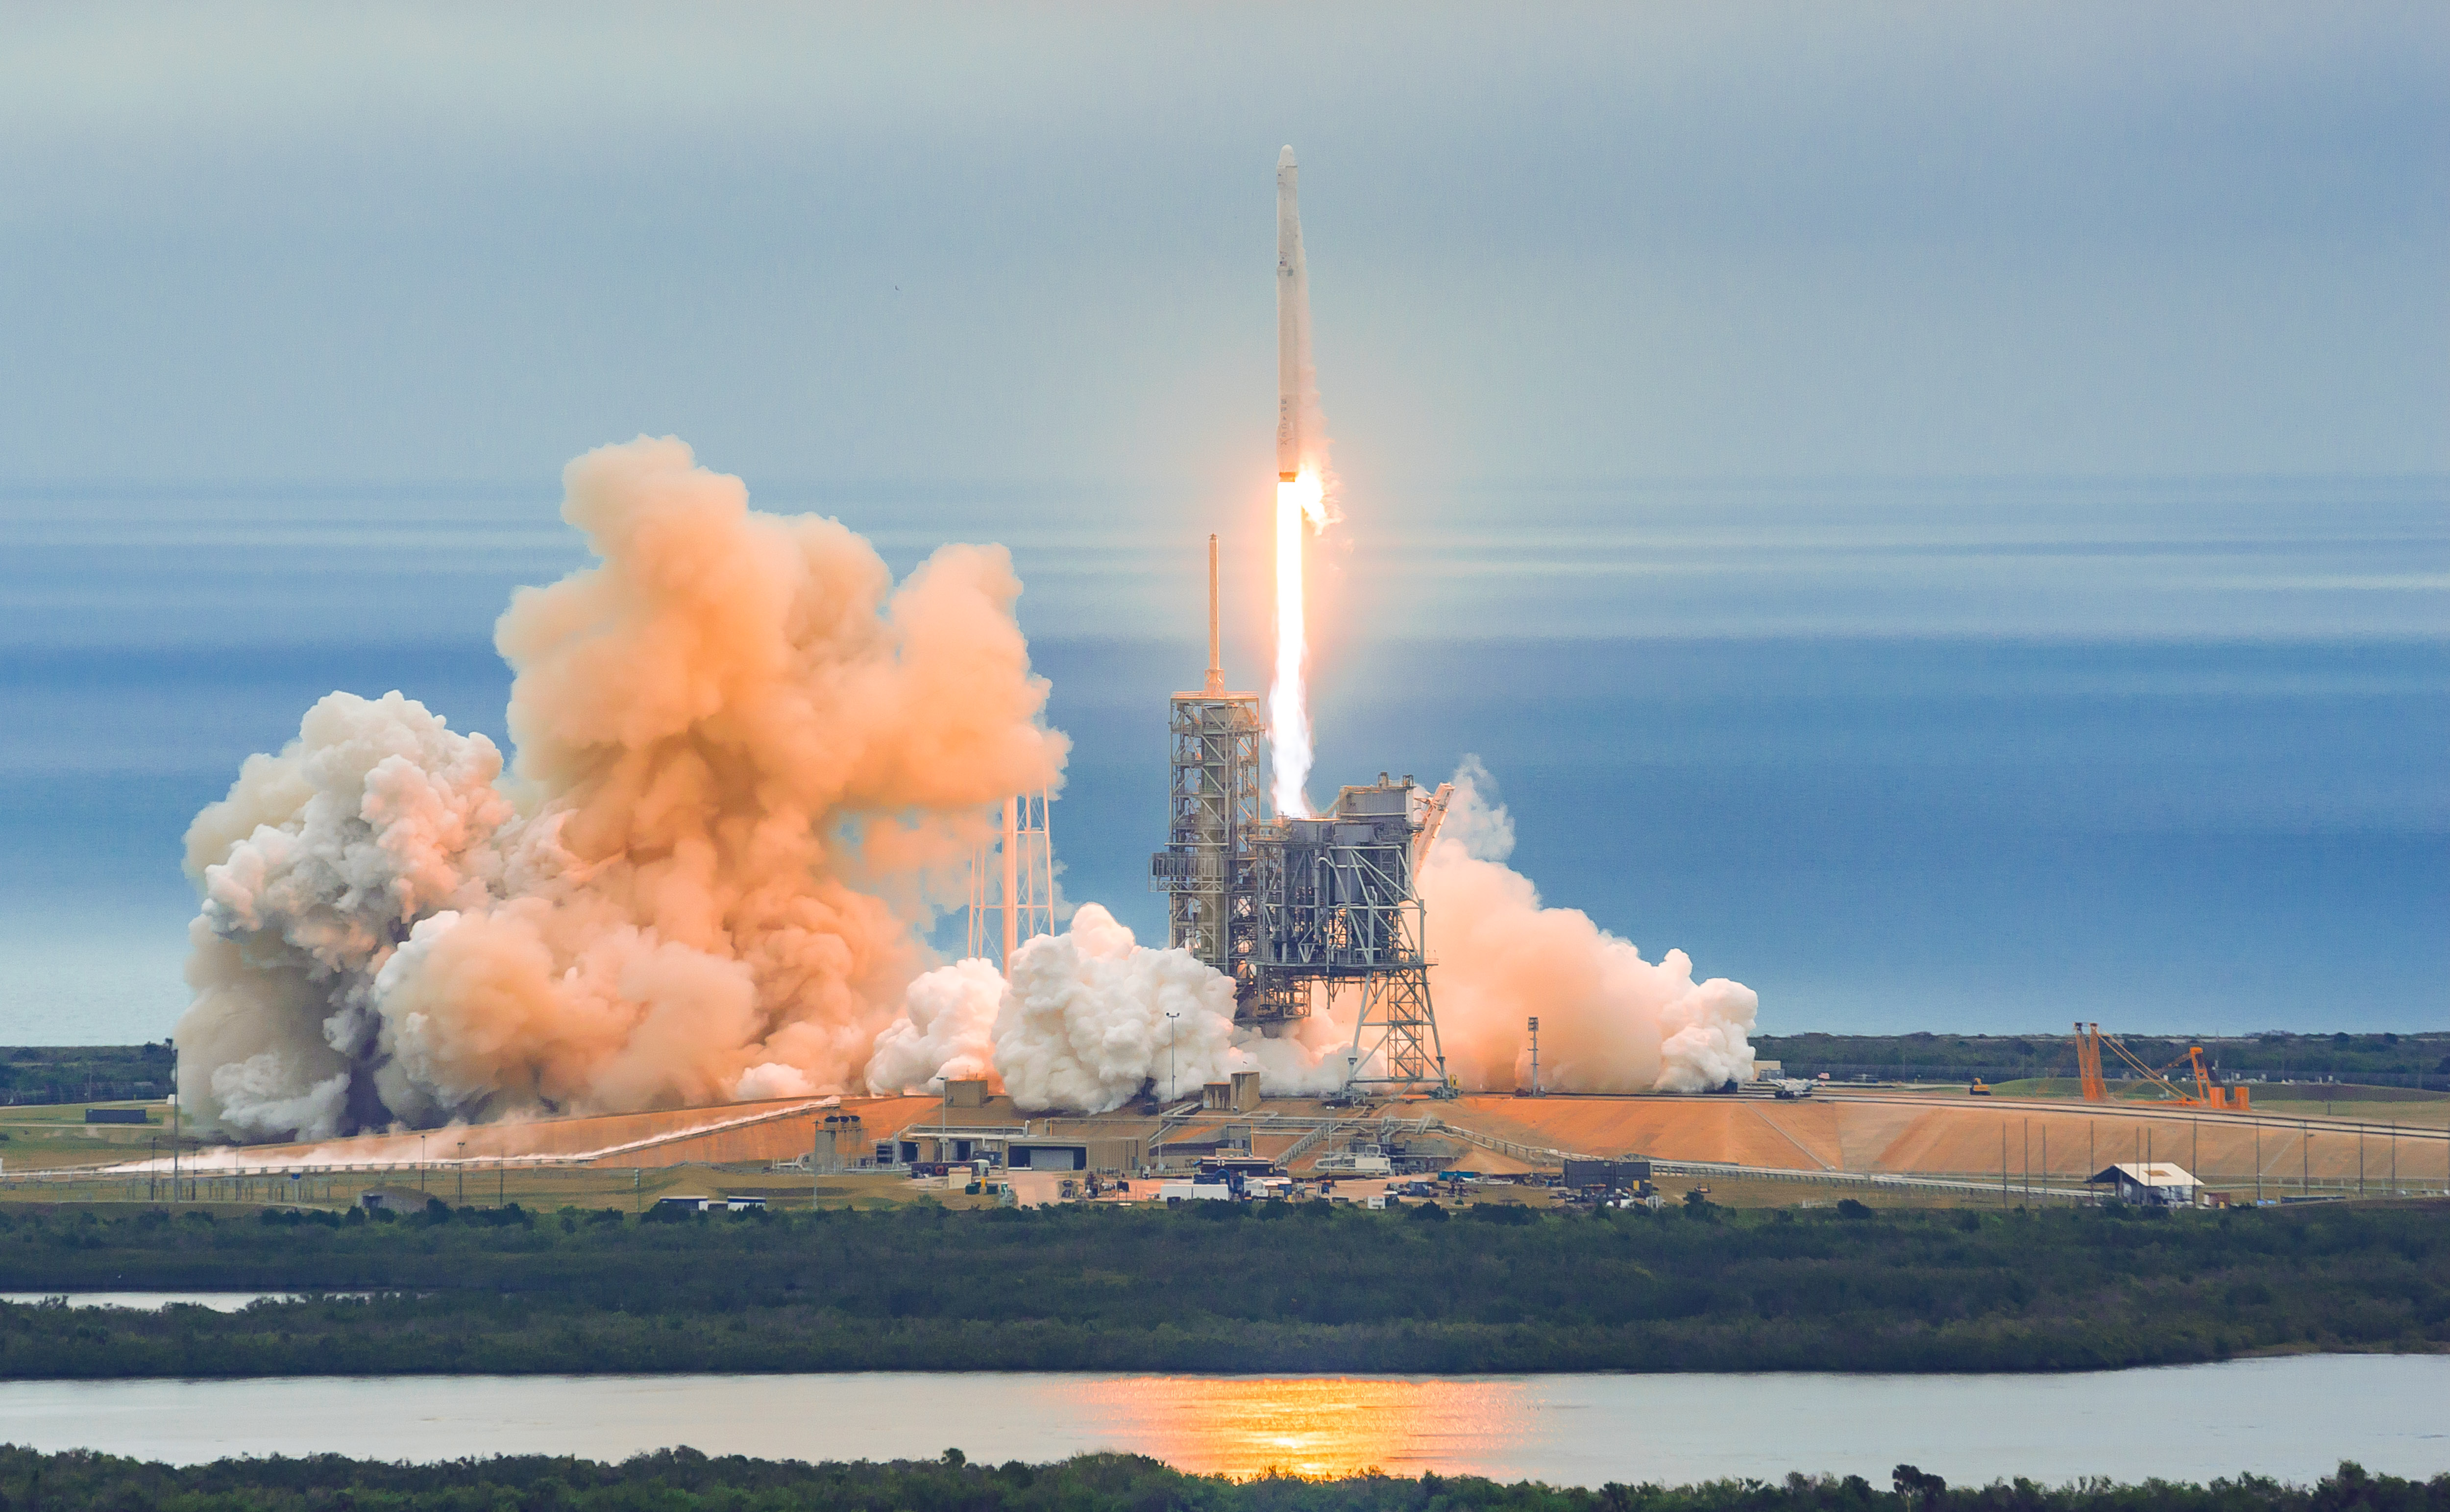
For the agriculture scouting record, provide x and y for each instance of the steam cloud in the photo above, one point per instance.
(746, 763)
(1609, 1021)
(1090, 1017)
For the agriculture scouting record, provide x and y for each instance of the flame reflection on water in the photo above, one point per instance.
(1308, 1427)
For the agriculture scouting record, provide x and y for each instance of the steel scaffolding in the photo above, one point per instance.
(1012, 882)
(1337, 905)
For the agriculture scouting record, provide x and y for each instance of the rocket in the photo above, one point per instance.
(1292, 318)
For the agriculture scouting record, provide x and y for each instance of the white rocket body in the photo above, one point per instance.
(1293, 320)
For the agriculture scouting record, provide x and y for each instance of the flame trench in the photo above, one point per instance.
(1288, 740)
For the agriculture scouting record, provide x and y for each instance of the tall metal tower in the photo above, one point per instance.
(1338, 903)
(1012, 882)
(1216, 740)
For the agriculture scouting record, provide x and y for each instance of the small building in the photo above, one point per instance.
(1629, 1175)
(969, 1092)
(1046, 1154)
(393, 1199)
(116, 1116)
(2158, 1182)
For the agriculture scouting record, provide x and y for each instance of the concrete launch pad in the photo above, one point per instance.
(1885, 1131)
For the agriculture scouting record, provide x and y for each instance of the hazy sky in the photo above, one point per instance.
(1942, 511)
(883, 242)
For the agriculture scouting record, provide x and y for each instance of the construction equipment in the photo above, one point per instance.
(2208, 1092)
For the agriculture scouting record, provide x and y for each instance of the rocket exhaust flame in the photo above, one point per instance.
(1289, 741)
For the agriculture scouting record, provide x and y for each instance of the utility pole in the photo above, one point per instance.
(1171, 1090)
(1535, 1056)
(174, 1123)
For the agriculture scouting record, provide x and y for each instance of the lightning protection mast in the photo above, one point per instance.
(1215, 739)
(1012, 882)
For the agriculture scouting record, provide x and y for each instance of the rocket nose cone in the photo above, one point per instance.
(1285, 159)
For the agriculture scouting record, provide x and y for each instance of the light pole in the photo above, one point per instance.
(463, 1171)
(1172, 1090)
(1535, 1056)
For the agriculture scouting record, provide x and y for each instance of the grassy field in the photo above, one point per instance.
(2379, 1105)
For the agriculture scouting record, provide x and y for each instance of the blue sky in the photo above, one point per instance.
(1939, 513)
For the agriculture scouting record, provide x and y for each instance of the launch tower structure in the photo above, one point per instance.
(1338, 902)
(1216, 741)
(1294, 910)
(1012, 882)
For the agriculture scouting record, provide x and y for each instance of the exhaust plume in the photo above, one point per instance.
(1609, 1021)
(748, 763)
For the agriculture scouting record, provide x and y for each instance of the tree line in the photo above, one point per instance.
(684, 1480)
(1302, 1288)
(2393, 1060)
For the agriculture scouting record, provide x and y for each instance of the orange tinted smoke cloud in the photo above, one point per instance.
(746, 762)
(1609, 1021)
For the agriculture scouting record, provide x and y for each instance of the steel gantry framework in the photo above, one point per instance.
(1012, 882)
(1215, 741)
(1339, 910)
(1295, 910)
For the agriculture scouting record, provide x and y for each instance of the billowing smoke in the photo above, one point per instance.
(946, 1030)
(747, 764)
(1091, 1018)
(1609, 1021)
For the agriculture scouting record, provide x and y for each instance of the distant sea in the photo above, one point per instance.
(1964, 755)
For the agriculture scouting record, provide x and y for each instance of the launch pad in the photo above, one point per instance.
(1296, 910)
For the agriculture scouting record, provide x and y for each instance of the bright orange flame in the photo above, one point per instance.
(1289, 699)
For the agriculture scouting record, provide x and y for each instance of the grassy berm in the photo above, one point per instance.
(1305, 1287)
(683, 1479)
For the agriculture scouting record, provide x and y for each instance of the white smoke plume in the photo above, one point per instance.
(1091, 1018)
(946, 1031)
(1609, 1021)
(747, 762)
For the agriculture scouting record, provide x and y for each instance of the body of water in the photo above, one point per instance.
(2293, 1417)
(1928, 757)
(156, 1301)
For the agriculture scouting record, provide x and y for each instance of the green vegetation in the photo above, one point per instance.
(2380, 1059)
(33, 1073)
(1304, 1288)
(683, 1479)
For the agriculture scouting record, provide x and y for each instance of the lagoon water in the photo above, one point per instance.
(2293, 1417)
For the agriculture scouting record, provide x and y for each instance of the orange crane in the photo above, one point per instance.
(2208, 1092)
